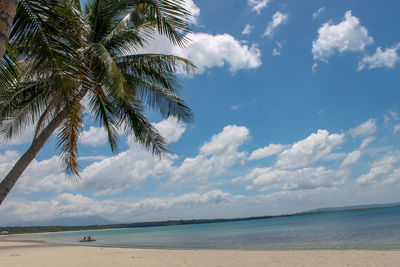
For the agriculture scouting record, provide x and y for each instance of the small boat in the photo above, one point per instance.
(87, 239)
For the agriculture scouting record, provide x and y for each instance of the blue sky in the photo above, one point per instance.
(296, 106)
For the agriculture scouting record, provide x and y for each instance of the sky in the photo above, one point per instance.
(296, 108)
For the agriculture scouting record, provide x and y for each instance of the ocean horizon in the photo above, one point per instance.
(359, 229)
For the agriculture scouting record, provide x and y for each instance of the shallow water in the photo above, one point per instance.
(374, 229)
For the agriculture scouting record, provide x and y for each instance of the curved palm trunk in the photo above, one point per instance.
(8, 9)
(37, 144)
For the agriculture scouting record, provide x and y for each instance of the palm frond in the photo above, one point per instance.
(68, 138)
(105, 113)
(136, 123)
(152, 76)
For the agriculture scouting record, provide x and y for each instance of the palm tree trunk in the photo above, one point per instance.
(37, 144)
(8, 9)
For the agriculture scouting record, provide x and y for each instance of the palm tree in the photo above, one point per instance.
(7, 13)
(69, 54)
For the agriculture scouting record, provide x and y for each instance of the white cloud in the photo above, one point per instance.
(366, 142)
(318, 13)
(247, 29)
(208, 51)
(278, 19)
(258, 5)
(348, 35)
(96, 136)
(366, 128)
(267, 179)
(171, 129)
(391, 120)
(227, 141)
(374, 175)
(277, 50)
(314, 67)
(396, 128)
(267, 151)
(26, 136)
(351, 158)
(108, 175)
(381, 59)
(309, 150)
(188, 200)
(216, 156)
(128, 170)
(382, 171)
(66, 205)
(42, 176)
(7, 160)
(92, 158)
(354, 156)
(8, 156)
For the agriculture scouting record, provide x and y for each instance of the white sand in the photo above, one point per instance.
(14, 254)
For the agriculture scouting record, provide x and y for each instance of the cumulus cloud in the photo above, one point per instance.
(216, 156)
(171, 129)
(309, 150)
(130, 169)
(8, 156)
(355, 155)
(258, 5)
(123, 171)
(366, 142)
(278, 19)
(383, 171)
(208, 51)
(95, 136)
(266, 179)
(227, 141)
(247, 29)
(26, 136)
(351, 158)
(71, 205)
(292, 170)
(7, 160)
(381, 59)
(42, 176)
(267, 151)
(348, 35)
(108, 175)
(319, 12)
(366, 128)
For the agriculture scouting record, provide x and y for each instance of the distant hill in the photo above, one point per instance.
(355, 207)
(67, 221)
(98, 222)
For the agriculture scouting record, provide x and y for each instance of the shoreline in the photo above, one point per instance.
(4, 240)
(18, 253)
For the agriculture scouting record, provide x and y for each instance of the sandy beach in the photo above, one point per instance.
(14, 254)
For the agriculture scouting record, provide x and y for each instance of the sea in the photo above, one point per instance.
(361, 229)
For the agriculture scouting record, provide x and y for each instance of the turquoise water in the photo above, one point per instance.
(375, 229)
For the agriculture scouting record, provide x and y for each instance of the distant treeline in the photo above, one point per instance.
(40, 229)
